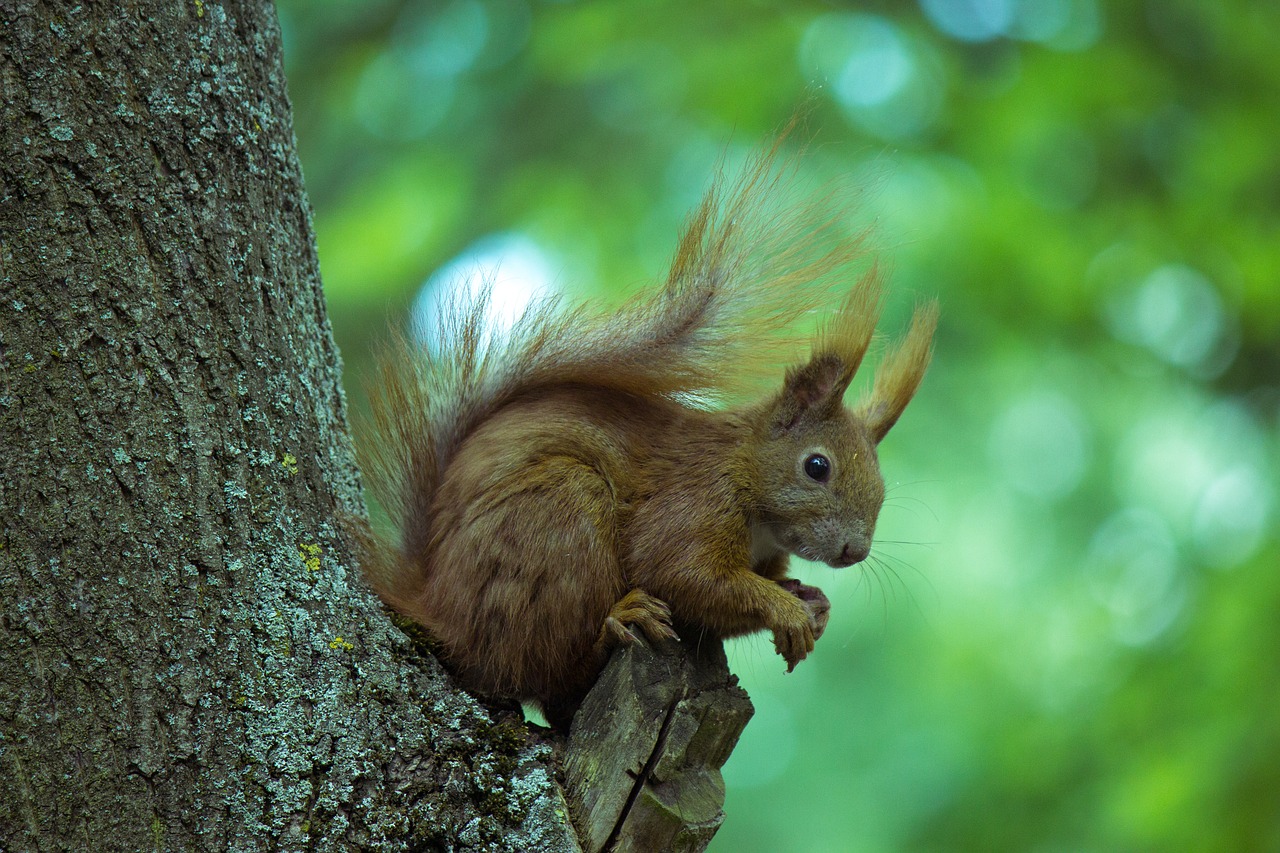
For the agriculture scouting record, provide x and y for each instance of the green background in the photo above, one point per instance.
(1067, 639)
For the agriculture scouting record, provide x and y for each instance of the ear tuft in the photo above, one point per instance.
(818, 387)
(900, 372)
(848, 332)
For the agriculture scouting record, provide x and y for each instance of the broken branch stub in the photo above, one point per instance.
(642, 766)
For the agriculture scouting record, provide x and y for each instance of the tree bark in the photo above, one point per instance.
(188, 659)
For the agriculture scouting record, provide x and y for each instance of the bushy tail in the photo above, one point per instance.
(751, 262)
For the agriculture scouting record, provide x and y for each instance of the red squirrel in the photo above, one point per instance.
(563, 485)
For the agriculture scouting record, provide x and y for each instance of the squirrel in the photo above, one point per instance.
(563, 485)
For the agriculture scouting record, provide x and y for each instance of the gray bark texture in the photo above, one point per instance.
(187, 660)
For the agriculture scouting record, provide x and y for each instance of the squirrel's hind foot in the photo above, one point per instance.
(640, 610)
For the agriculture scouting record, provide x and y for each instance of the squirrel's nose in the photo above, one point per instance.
(855, 552)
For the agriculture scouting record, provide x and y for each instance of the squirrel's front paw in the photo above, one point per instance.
(814, 600)
(793, 631)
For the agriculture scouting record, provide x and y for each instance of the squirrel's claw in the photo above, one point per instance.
(615, 633)
(640, 610)
(796, 647)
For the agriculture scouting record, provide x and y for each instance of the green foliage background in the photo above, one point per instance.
(1069, 637)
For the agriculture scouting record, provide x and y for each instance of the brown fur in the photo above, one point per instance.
(556, 489)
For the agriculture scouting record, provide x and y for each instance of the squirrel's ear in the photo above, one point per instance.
(813, 388)
(900, 373)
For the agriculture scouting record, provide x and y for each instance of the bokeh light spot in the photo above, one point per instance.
(1202, 471)
(513, 268)
(877, 69)
(443, 41)
(1133, 570)
(1060, 24)
(1177, 314)
(1231, 516)
(879, 77)
(970, 20)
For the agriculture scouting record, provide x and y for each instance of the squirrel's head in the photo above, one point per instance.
(821, 476)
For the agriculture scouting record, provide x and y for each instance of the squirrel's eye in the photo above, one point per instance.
(817, 467)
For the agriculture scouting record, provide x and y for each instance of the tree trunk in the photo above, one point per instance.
(188, 661)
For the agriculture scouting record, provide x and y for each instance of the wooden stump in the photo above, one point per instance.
(642, 766)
